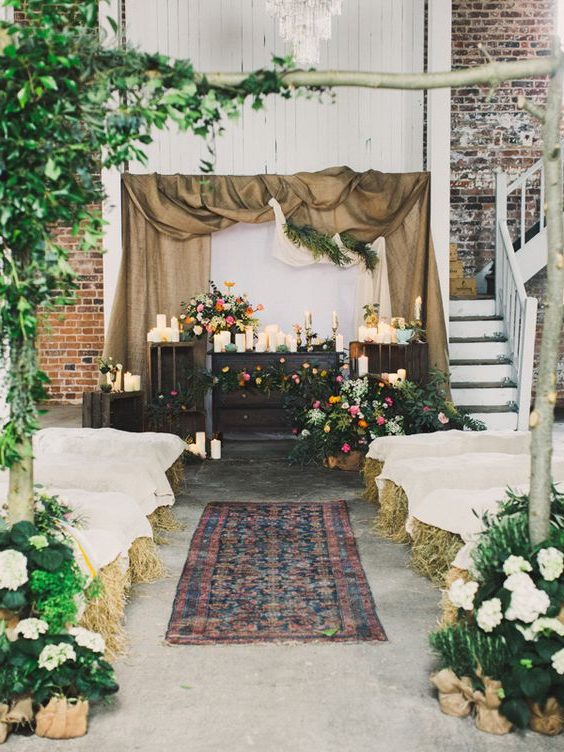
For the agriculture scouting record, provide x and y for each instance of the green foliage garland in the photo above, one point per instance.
(322, 245)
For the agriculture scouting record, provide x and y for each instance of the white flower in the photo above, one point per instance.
(558, 661)
(315, 417)
(527, 602)
(551, 563)
(31, 628)
(461, 594)
(87, 639)
(489, 615)
(544, 624)
(13, 569)
(198, 330)
(55, 655)
(516, 564)
(119, 366)
(38, 541)
(39, 506)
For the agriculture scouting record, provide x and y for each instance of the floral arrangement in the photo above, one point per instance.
(508, 642)
(108, 366)
(401, 323)
(209, 313)
(44, 654)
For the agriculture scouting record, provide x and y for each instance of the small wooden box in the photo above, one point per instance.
(456, 269)
(453, 251)
(121, 410)
(463, 288)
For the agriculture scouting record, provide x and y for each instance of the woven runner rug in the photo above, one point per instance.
(273, 572)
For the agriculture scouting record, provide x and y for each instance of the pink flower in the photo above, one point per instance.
(220, 301)
(282, 360)
(230, 320)
(339, 378)
(200, 307)
(174, 393)
(354, 410)
(294, 431)
(296, 378)
(380, 420)
(426, 408)
(389, 401)
(246, 377)
(346, 448)
(442, 418)
(316, 404)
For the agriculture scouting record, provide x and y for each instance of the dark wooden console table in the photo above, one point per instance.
(248, 410)
(388, 358)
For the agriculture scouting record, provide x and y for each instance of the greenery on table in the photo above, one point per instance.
(71, 106)
(511, 620)
(323, 245)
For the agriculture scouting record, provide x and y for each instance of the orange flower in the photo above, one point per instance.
(362, 424)
(229, 285)
(260, 307)
(249, 311)
(219, 306)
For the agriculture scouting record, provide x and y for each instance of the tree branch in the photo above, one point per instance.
(488, 73)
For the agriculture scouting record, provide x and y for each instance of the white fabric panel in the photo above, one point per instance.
(446, 443)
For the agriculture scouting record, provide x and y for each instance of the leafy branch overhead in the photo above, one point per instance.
(322, 245)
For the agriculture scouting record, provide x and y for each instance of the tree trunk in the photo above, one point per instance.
(20, 495)
(542, 416)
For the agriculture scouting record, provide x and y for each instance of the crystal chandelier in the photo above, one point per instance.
(304, 23)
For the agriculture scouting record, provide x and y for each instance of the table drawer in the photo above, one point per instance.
(242, 398)
(258, 418)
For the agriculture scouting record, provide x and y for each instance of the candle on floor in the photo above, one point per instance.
(261, 342)
(201, 442)
(240, 342)
(402, 374)
(363, 365)
(161, 321)
(215, 446)
(249, 337)
(217, 343)
(339, 343)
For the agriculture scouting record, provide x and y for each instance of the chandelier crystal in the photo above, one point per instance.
(304, 23)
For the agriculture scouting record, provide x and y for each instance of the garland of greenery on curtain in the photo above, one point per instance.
(323, 245)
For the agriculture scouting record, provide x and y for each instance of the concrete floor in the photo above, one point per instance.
(366, 697)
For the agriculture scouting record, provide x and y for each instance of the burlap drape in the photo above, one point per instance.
(168, 220)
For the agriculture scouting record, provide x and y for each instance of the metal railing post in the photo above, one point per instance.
(500, 216)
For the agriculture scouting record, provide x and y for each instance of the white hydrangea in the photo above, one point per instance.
(315, 416)
(527, 602)
(544, 624)
(30, 629)
(558, 661)
(38, 541)
(53, 656)
(306, 433)
(516, 564)
(13, 569)
(489, 615)
(461, 594)
(394, 426)
(87, 639)
(551, 563)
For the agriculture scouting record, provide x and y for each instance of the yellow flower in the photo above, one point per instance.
(327, 428)
(258, 380)
(323, 374)
(225, 369)
(334, 399)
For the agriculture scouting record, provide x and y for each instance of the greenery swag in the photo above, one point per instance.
(323, 245)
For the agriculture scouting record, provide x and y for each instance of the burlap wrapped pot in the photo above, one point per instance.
(62, 719)
(547, 719)
(488, 717)
(455, 694)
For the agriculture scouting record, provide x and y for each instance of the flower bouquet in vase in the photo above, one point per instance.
(213, 312)
(404, 329)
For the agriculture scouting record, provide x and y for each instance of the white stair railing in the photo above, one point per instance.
(519, 311)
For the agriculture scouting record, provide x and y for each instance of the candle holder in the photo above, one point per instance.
(334, 329)
(298, 339)
(309, 339)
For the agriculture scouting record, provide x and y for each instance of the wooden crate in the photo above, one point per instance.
(121, 410)
(463, 288)
(167, 363)
(388, 358)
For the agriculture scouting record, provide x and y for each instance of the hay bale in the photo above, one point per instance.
(175, 475)
(392, 516)
(163, 519)
(433, 551)
(370, 471)
(105, 613)
(145, 564)
(449, 612)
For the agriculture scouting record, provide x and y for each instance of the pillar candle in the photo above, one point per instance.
(280, 339)
(201, 443)
(379, 338)
(215, 446)
(240, 342)
(402, 374)
(293, 346)
(226, 338)
(363, 365)
(372, 333)
(362, 333)
(161, 321)
(271, 328)
(174, 323)
(392, 378)
(127, 382)
(136, 380)
(386, 339)
(249, 337)
(339, 343)
(261, 342)
(175, 335)
(217, 343)
(272, 337)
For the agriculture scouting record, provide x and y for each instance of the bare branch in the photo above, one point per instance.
(533, 109)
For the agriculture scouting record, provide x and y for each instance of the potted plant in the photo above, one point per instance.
(404, 329)
(111, 372)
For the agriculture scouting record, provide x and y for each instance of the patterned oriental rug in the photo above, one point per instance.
(273, 572)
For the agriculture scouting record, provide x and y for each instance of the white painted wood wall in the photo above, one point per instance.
(363, 129)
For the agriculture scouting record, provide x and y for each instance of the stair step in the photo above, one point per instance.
(464, 371)
(482, 384)
(475, 307)
(478, 339)
(476, 318)
(479, 349)
(490, 327)
(498, 421)
(485, 397)
(479, 362)
(488, 408)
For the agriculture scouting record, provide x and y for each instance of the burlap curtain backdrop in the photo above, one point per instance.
(168, 220)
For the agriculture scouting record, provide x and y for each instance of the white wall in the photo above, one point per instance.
(364, 129)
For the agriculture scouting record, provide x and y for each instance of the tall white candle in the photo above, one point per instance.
(217, 343)
(339, 343)
(174, 323)
(363, 365)
(161, 321)
(249, 337)
(226, 338)
(271, 328)
(280, 339)
(293, 346)
(272, 341)
(261, 341)
(418, 308)
(307, 319)
(175, 335)
(386, 339)
(372, 333)
(335, 321)
(215, 446)
(201, 443)
(240, 342)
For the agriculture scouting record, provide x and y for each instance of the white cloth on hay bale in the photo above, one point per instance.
(159, 450)
(466, 472)
(90, 473)
(447, 443)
